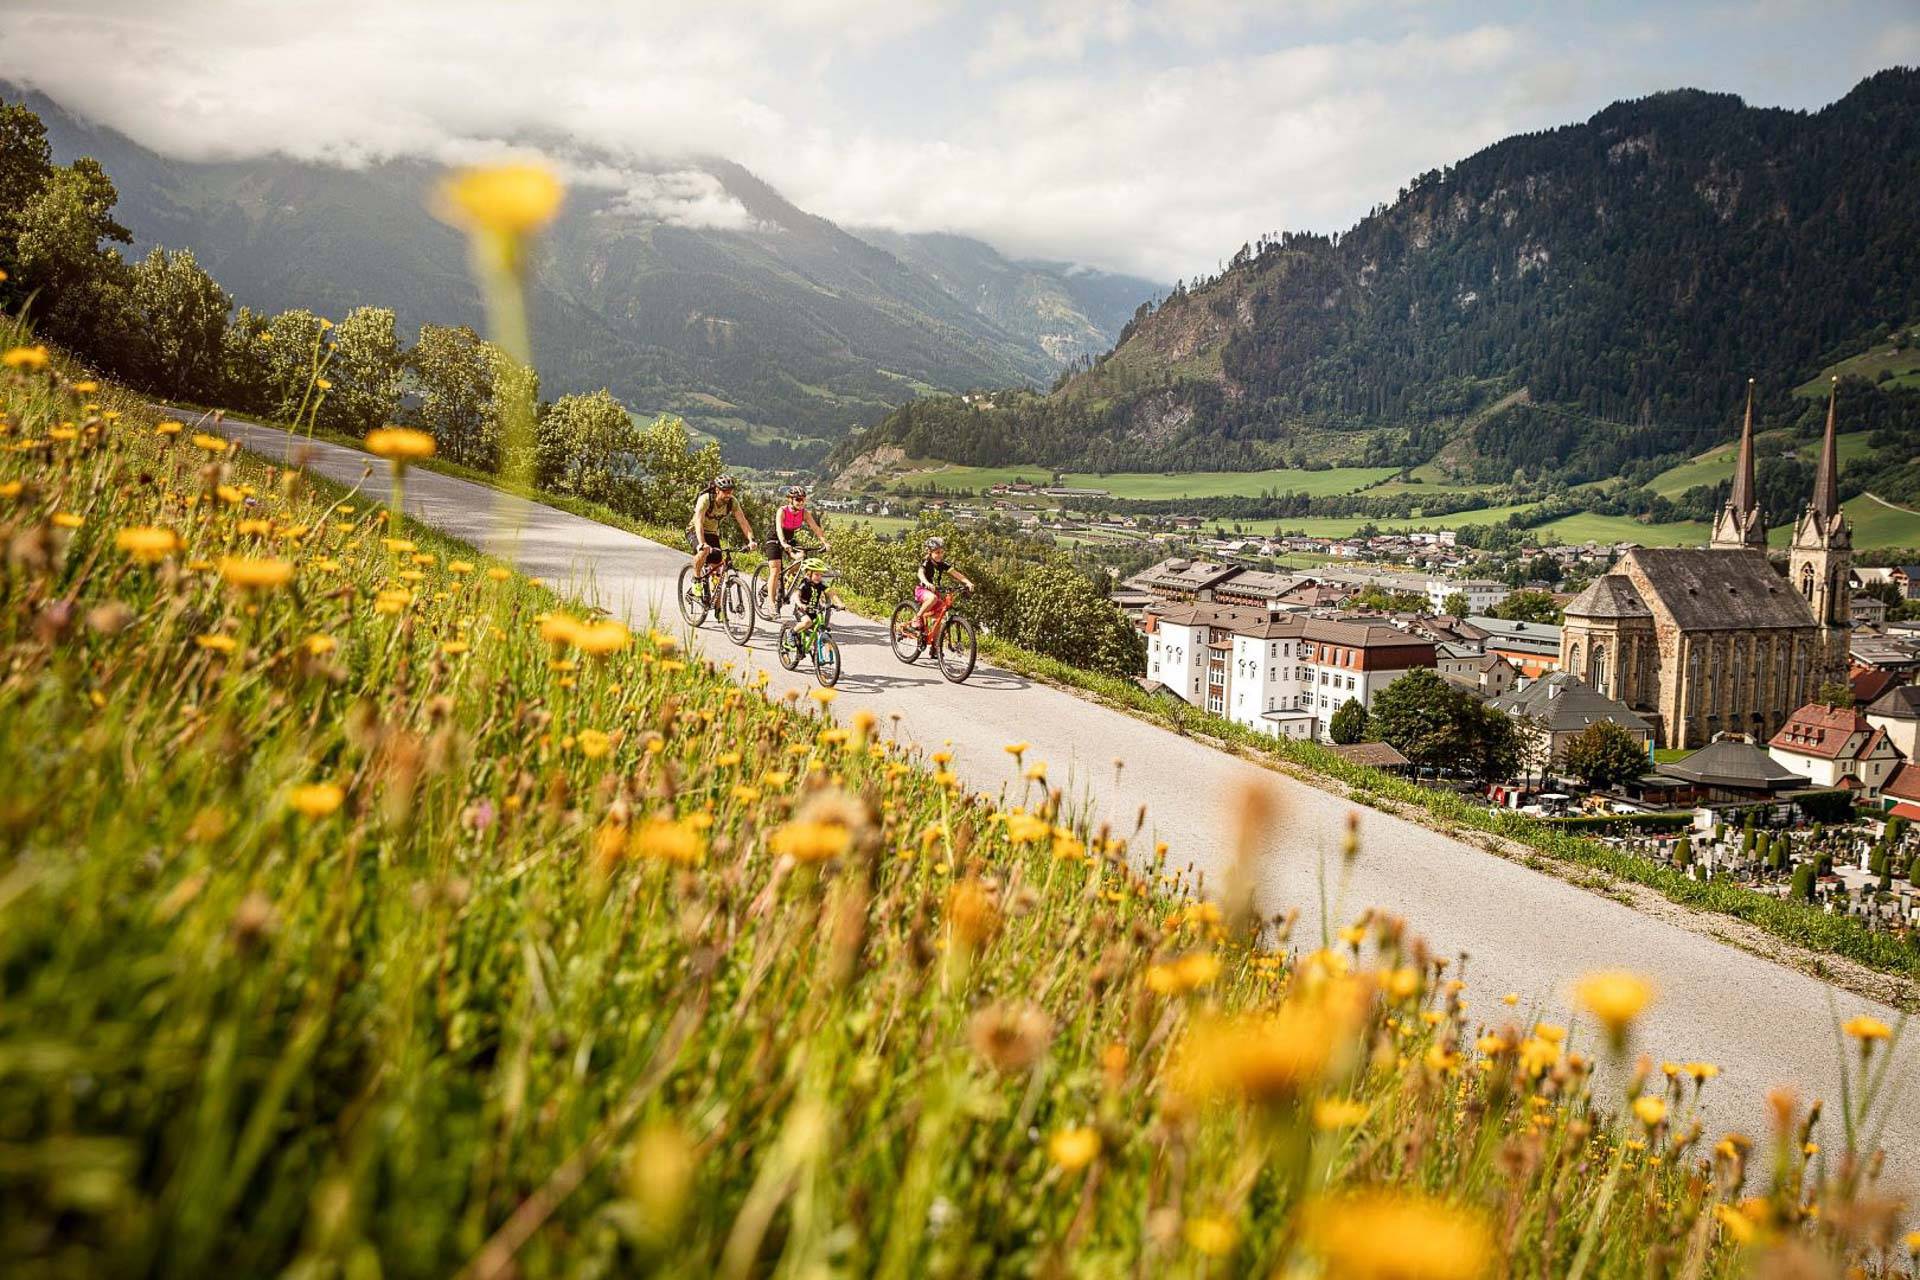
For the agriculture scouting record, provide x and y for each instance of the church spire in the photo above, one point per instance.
(1744, 489)
(1740, 524)
(1826, 481)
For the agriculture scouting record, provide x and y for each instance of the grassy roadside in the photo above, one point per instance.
(363, 914)
(1795, 923)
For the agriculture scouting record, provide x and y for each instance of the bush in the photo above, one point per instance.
(1626, 823)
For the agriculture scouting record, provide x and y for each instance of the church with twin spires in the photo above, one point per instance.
(1703, 641)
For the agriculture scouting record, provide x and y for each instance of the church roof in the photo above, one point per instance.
(1719, 589)
(1611, 595)
(1567, 704)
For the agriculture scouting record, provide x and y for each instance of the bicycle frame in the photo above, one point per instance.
(936, 615)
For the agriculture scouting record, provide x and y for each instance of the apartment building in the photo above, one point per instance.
(1481, 593)
(1281, 673)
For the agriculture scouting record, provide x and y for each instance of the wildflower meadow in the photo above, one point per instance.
(366, 909)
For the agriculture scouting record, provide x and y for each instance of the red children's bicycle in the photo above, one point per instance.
(948, 635)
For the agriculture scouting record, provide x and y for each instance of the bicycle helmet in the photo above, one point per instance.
(724, 483)
(936, 544)
(796, 493)
(816, 566)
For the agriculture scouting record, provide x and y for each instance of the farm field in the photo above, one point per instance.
(1875, 524)
(1154, 486)
(1590, 526)
(1903, 365)
(1716, 464)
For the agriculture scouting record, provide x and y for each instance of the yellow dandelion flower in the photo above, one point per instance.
(1338, 1113)
(1073, 1149)
(149, 544)
(320, 646)
(454, 648)
(34, 357)
(1616, 997)
(805, 841)
(593, 743)
(458, 567)
(399, 444)
(823, 696)
(217, 643)
(1037, 771)
(11, 489)
(1211, 1234)
(1651, 1109)
(601, 638)
(169, 428)
(1385, 1235)
(505, 200)
(499, 574)
(667, 840)
(316, 800)
(1866, 1029)
(211, 443)
(255, 575)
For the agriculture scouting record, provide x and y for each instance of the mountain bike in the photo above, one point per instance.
(948, 635)
(789, 581)
(814, 641)
(722, 591)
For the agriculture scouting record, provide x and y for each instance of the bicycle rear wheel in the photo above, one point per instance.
(692, 607)
(826, 661)
(959, 649)
(737, 608)
(906, 640)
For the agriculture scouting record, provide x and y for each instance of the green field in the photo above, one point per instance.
(1874, 525)
(1716, 464)
(1904, 365)
(1591, 527)
(879, 524)
(1153, 486)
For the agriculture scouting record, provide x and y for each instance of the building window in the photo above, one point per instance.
(1806, 581)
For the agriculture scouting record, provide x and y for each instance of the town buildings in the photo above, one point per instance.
(1561, 707)
(1835, 746)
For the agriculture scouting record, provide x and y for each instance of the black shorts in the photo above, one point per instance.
(708, 538)
(774, 550)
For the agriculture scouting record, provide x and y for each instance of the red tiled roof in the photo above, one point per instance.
(1869, 683)
(1903, 783)
(1823, 731)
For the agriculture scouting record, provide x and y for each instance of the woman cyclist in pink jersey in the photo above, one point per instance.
(781, 547)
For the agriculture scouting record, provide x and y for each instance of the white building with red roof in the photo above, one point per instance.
(1835, 747)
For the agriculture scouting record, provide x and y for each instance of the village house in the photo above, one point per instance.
(1532, 647)
(1835, 747)
(1561, 706)
(1896, 713)
(1281, 673)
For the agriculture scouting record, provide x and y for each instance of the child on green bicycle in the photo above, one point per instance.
(812, 598)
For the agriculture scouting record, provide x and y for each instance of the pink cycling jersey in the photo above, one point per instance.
(793, 519)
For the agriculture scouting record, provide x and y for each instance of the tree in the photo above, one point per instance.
(588, 446)
(183, 325)
(452, 371)
(1683, 853)
(1803, 881)
(79, 287)
(672, 472)
(26, 162)
(1438, 726)
(1385, 601)
(1349, 723)
(1529, 606)
(1052, 607)
(1604, 755)
(1835, 693)
(294, 349)
(365, 372)
(1455, 605)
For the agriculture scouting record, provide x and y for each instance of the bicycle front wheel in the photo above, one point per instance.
(769, 610)
(737, 608)
(692, 607)
(789, 647)
(826, 661)
(905, 637)
(959, 649)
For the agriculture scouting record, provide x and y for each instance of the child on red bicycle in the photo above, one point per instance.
(933, 571)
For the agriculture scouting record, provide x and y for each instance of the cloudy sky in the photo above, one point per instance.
(1143, 136)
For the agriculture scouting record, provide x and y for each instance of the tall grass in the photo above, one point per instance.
(362, 911)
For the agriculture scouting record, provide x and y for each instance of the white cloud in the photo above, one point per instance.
(1144, 135)
(682, 198)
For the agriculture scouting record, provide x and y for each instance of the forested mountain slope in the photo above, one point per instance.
(1562, 302)
(766, 325)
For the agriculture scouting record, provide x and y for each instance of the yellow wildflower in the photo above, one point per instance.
(1651, 1109)
(506, 200)
(399, 444)
(1338, 1113)
(1073, 1149)
(1211, 1234)
(148, 544)
(211, 443)
(594, 744)
(255, 575)
(316, 800)
(1616, 997)
(665, 840)
(811, 841)
(34, 357)
(1385, 1235)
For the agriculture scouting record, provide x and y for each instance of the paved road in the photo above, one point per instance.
(1524, 931)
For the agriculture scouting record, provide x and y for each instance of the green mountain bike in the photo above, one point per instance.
(814, 642)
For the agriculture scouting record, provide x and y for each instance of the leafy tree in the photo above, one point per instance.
(1389, 601)
(1803, 882)
(365, 372)
(1683, 852)
(672, 472)
(1834, 693)
(245, 362)
(1529, 606)
(183, 325)
(1439, 726)
(295, 352)
(79, 286)
(588, 446)
(1053, 608)
(1604, 755)
(452, 370)
(26, 162)
(1455, 605)
(1349, 723)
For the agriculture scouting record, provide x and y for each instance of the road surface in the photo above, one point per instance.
(1524, 931)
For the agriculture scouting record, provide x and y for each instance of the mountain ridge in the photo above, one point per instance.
(1634, 267)
(776, 334)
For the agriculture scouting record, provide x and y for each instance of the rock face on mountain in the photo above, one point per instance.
(1562, 302)
(696, 288)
